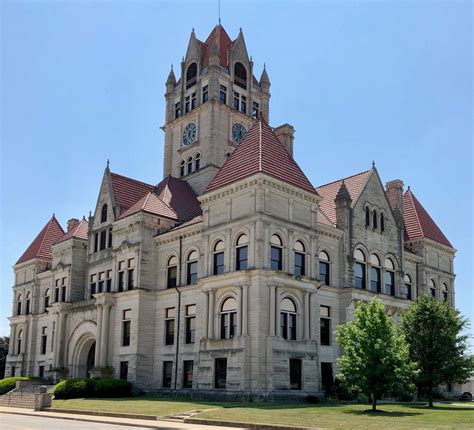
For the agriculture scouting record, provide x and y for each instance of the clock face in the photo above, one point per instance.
(238, 132)
(189, 134)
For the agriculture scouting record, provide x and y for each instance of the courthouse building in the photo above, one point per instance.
(230, 275)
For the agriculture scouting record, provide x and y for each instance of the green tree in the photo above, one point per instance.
(4, 342)
(375, 357)
(433, 332)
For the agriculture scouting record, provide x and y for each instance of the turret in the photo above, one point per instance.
(343, 202)
(265, 86)
(170, 84)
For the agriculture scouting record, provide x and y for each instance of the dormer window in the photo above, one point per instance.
(191, 75)
(103, 214)
(240, 75)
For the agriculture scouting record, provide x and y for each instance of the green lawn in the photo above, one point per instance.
(394, 416)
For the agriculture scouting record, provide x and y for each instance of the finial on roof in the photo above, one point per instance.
(54, 215)
(171, 77)
(251, 59)
(240, 29)
(264, 77)
(90, 214)
(108, 163)
(192, 31)
(84, 217)
(373, 164)
(409, 189)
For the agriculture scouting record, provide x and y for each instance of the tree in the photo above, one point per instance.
(375, 357)
(433, 332)
(4, 342)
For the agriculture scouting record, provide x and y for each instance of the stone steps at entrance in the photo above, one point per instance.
(18, 399)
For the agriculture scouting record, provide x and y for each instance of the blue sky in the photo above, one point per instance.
(83, 81)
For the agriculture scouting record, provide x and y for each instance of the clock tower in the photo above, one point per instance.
(211, 106)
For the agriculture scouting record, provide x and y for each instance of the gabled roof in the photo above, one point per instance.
(260, 152)
(78, 231)
(355, 184)
(220, 37)
(179, 195)
(153, 204)
(418, 223)
(41, 247)
(127, 191)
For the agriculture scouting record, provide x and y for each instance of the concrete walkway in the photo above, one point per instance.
(149, 424)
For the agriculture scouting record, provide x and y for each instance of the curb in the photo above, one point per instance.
(256, 426)
(104, 414)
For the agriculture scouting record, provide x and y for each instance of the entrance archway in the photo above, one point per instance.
(90, 360)
(84, 357)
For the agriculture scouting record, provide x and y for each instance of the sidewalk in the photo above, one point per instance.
(151, 424)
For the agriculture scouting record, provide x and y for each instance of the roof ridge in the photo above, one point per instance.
(131, 179)
(343, 179)
(410, 196)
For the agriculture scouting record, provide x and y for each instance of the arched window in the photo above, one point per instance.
(374, 219)
(197, 162)
(19, 341)
(229, 318)
(389, 277)
(445, 292)
(241, 253)
(382, 222)
(288, 319)
(240, 75)
(182, 168)
(218, 258)
(28, 304)
(433, 288)
(324, 268)
(191, 75)
(192, 267)
(408, 286)
(276, 253)
(367, 217)
(172, 272)
(18, 304)
(375, 285)
(190, 165)
(103, 213)
(46, 299)
(360, 269)
(300, 259)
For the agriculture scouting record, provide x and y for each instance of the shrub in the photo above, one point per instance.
(73, 388)
(112, 388)
(312, 399)
(8, 384)
(362, 398)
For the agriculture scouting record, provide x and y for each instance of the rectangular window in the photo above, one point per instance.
(375, 280)
(18, 308)
(220, 373)
(324, 272)
(243, 104)
(192, 272)
(236, 100)
(218, 263)
(56, 291)
(109, 243)
(121, 281)
(188, 366)
(327, 379)
(177, 110)
(93, 284)
(126, 323)
(167, 373)
(169, 326)
(295, 374)
(389, 283)
(193, 101)
(41, 371)
(100, 285)
(63, 290)
(205, 94)
(255, 110)
(96, 242)
(103, 240)
(228, 325)
(124, 370)
(223, 94)
(108, 281)
(187, 104)
(52, 335)
(299, 264)
(242, 258)
(13, 371)
(190, 323)
(44, 339)
(276, 258)
(130, 274)
(325, 325)
(288, 325)
(359, 271)
(172, 276)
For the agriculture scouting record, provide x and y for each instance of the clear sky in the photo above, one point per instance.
(83, 81)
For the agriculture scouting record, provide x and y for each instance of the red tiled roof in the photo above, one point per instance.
(80, 230)
(151, 203)
(179, 195)
(260, 152)
(128, 191)
(418, 222)
(328, 192)
(41, 247)
(223, 42)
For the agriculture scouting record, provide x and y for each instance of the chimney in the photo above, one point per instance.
(343, 203)
(285, 134)
(72, 223)
(395, 194)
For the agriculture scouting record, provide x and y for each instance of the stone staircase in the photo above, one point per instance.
(24, 397)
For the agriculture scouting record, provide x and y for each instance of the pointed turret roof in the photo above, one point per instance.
(41, 247)
(171, 77)
(78, 231)
(223, 42)
(260, 152)
(264, 76)
(418, 223)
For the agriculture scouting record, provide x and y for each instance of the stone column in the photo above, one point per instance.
(60, 340)
(206, 315)
(272, 310)
(245, 295)
(210, 327)
(104, 343)
(240, 305)
(312, 334)
(306, 314)
(277, 311)
(98, 339)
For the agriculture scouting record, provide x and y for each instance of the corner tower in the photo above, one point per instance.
(211, 106)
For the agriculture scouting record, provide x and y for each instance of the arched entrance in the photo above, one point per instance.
(84, 357)
(90, 360)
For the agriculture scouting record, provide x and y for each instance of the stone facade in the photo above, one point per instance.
(162, 301)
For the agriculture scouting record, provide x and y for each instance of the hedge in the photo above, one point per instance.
(8, 384)
(82, 387)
